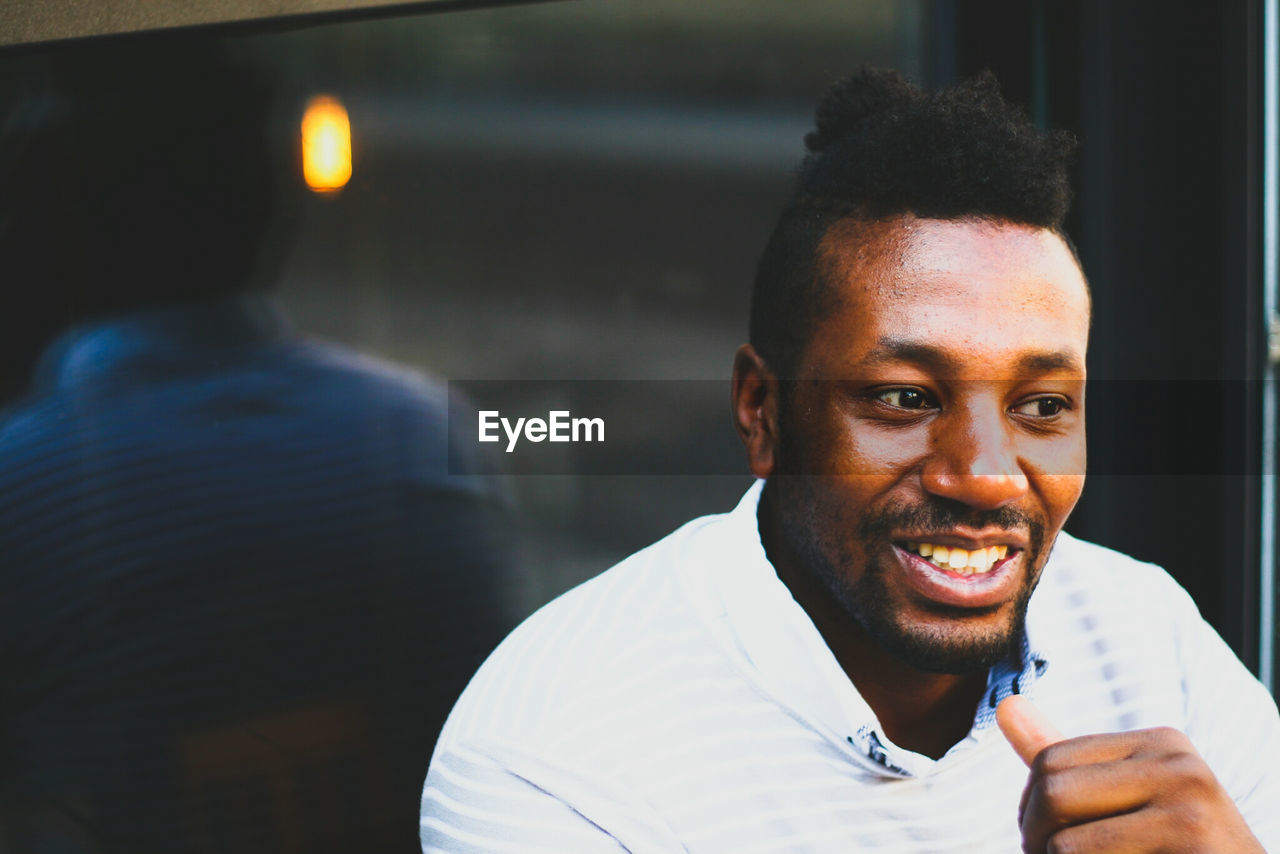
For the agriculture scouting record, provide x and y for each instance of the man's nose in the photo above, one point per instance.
(974, 461)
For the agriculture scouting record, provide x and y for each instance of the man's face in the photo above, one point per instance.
(940, 410)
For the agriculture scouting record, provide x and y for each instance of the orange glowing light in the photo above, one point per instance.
(326, 144)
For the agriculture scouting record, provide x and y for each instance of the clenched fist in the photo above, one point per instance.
(1138, 792)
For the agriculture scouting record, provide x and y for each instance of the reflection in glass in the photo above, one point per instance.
(326, 144)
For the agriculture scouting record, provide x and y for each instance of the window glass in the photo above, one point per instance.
(570, 191)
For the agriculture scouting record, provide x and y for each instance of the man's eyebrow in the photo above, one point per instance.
(927, 355)
(1052, 360)
(891, 349)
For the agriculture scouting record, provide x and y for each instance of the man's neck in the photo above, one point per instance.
(921, 711)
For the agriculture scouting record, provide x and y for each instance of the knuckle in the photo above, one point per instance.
(1051, 760)
(1167, 737)
(1190, 820)
(1187, 770)
(1054, 790)
(1064, 842)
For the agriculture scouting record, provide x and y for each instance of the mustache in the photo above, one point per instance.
(943, 515)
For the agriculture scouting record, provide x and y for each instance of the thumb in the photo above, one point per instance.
(1026, 727)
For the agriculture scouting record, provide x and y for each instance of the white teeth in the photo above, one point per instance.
(961, 560)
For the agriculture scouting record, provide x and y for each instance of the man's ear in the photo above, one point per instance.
(755, 409)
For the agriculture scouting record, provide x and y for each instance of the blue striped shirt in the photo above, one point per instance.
(241, 590)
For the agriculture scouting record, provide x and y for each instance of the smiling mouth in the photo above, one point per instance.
(961, 561)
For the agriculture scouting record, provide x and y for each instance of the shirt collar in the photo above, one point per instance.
(757, 614)
(114, 344)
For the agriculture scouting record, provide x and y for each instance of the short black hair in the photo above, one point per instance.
(883, 148)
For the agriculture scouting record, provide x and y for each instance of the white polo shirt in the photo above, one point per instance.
(684, 702)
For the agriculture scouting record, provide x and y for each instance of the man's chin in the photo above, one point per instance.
(936, 637)
(955, 653)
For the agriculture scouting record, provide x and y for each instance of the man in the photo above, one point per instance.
(821, 669)
(240, 579)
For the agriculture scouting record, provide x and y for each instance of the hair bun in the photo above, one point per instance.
(848, 102)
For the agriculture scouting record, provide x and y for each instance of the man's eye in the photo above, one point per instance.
(1042, 407)
(905, 398)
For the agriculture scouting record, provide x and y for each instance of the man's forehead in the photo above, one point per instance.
(987, 283)
(908, 245)
(899, 257)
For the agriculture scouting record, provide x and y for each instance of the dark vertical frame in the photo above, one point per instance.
(1166, 99)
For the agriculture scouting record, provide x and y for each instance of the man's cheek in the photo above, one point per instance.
(885, 457)
(1062, 492)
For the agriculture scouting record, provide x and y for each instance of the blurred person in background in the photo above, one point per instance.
(241, 586)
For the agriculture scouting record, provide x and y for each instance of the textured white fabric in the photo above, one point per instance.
(683, 702)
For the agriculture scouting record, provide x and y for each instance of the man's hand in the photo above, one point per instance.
(1134, 792)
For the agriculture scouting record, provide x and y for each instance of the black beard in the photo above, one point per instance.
(867, 599)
